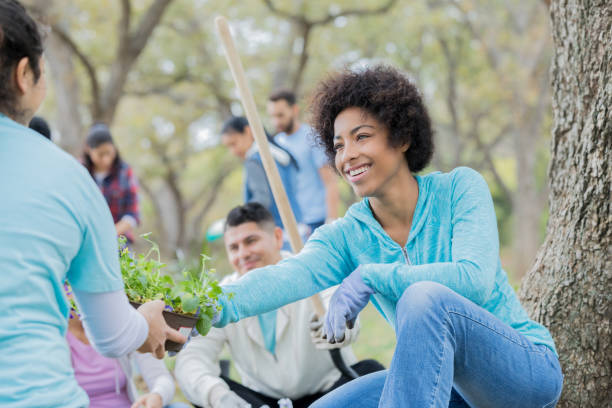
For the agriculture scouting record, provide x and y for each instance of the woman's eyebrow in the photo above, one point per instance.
(354, 130)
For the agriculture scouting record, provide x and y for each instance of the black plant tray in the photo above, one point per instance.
(182, 323)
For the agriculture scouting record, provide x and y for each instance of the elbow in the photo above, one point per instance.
(109, 351)
(480, 279)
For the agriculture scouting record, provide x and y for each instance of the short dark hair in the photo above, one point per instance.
(235, 124)
(283, 95)
(389, 96)
(250, 212)
(40, 125)
(19, 38)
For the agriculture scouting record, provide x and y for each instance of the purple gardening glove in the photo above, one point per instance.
(347, 301)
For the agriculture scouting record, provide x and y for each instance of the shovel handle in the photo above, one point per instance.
(278, 190)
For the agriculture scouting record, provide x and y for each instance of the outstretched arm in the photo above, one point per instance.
(323, 263)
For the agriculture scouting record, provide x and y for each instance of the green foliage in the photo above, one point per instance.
(196, 294)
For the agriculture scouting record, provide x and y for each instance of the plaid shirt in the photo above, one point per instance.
(121, 194)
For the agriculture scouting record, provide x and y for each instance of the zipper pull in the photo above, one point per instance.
(405, 253)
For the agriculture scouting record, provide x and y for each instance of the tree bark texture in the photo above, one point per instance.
(569, 288)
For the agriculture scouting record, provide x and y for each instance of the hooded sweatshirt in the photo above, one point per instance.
(453, 241)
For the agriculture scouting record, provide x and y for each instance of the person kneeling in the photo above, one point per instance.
(277, 354)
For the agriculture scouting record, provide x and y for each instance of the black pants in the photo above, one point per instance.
(257, 399)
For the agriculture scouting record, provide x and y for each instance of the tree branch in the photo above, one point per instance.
(488, 160)
(184, 76)
(130, 47)
(126, 16)
(225, 169)
(301, 19)
(159, 226)
(89, 68)
(451, 97)
(212, 196)
(151, 18)
(295, 17)
(355, 12)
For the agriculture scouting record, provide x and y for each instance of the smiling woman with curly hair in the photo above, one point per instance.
(406, 117)
(424, 249)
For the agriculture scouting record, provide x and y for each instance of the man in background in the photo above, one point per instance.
(279, 354)
(317, 184)
(237, 136)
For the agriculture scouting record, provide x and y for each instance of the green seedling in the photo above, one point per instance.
(195, 295)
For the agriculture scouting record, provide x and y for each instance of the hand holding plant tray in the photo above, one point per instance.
(189, 302)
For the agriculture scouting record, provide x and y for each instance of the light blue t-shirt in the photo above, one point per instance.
(54, 224)
(310, 157)
(453, 241)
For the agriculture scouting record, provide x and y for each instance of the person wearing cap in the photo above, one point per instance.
(54, 225)
(115, 178)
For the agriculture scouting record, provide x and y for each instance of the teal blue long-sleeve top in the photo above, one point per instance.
(453, 241)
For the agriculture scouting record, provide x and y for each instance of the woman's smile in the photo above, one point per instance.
(364, 156)
(356, 173)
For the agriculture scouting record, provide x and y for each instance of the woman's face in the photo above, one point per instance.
(103, 156)
(364, 157)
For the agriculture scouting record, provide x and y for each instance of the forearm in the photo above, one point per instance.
(263, 290)
(470, 280)
(156, 375)
(318, 266)
(197, 367)
(113, 326)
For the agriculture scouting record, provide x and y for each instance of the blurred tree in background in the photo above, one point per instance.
(154, 71)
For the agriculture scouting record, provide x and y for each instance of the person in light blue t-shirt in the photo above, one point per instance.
(54, 225)
(423, 249)
(317, 184)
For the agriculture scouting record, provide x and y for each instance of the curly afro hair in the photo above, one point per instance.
(386, 94)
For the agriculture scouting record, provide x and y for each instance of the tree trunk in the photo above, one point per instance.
(569, 289)
(67, 96)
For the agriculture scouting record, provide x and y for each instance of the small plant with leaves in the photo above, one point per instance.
(195, 295)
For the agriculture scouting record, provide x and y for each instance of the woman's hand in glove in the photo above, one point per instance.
(350, 298)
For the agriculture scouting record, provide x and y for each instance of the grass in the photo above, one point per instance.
(376, 338)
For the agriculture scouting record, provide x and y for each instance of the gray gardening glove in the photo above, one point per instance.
(321, 343)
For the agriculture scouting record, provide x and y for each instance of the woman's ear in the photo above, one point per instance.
(24, 77)
(405, 147)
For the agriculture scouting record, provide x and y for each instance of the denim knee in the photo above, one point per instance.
(421, 299)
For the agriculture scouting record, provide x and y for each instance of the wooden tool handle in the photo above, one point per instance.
(278, 190)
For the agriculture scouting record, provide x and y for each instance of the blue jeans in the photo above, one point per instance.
(452, 353)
